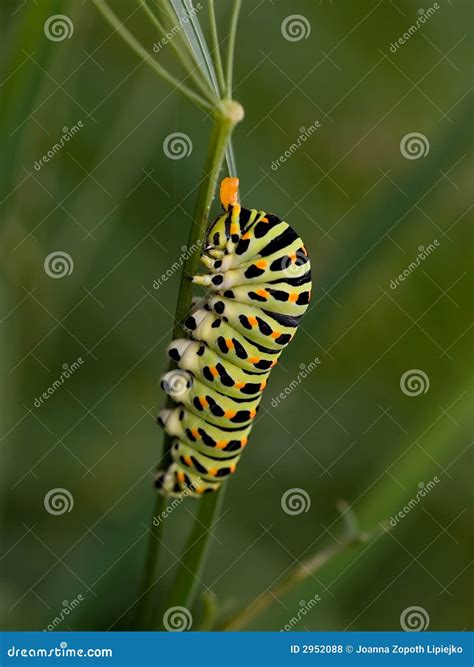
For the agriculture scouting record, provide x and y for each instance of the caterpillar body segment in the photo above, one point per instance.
(224, 340)
(224, 378)
(207, 438)
(215, 408)
(259, 278)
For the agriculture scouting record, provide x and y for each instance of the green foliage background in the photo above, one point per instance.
(122, 210)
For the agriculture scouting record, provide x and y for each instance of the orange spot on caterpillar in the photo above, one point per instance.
(230, 414)
(252, 413)
(262, 292)
(244, 441)
(234, 228)
(187, 460)
(275, 334)
(195, 433)
(246, 236)
(263, 385)
(261, 264)
(274, 363)
(203, 402)
(212, 472)
(200, 489)
(214, 371)
(230, 344)
(263, 220)
(252, 321)
(221, 444)
(180, 476)
(239, 385)
(232, 468)
(253, 360)
(293, 297)
(229, 192)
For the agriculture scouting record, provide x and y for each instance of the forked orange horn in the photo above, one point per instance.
(229, 192)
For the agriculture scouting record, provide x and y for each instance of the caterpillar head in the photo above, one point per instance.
(219, 232)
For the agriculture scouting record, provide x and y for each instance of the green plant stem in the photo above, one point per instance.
(231, 48)
(146, 598)
(226, 116)
(189, 66)
(183, 589)
(351, 538)
(135, 45)
(215, 51)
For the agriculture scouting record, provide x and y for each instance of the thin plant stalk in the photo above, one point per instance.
(226, 116)
(231, 47)
(189, 66)
(135, 45)
(215, 50)
(352, 537)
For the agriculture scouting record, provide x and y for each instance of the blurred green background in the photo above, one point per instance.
(121, 209)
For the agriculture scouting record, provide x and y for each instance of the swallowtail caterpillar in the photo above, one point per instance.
(259, 279)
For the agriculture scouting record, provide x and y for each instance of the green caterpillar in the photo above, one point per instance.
(259, 277)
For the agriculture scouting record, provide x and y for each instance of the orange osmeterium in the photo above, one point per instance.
(229, 192)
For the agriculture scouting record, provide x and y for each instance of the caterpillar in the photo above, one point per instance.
(259, 279)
